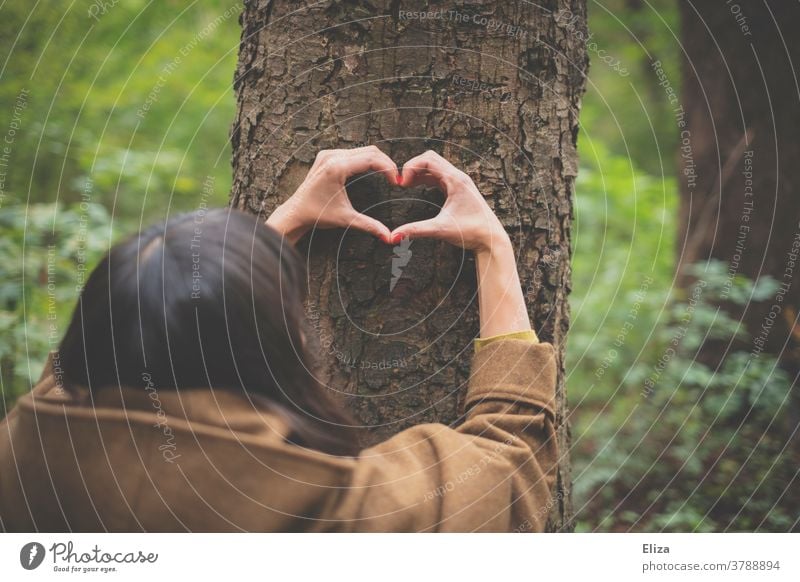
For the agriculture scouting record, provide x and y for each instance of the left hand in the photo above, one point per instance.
(465, 220)
(321, 200)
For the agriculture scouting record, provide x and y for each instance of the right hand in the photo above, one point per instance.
(465, 219)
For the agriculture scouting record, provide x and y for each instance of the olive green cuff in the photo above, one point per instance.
(527, 335)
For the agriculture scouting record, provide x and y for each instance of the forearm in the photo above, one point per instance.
(500, 298)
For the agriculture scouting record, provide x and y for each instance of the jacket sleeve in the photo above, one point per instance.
(494, 472)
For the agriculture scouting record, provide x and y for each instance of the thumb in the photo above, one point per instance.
(370, 225)
(423, 229)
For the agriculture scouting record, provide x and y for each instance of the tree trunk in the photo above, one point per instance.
(495, 87)
(742, 101)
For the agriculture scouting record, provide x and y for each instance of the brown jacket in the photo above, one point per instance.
(206, 460)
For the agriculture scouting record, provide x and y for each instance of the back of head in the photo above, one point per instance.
(212, 299)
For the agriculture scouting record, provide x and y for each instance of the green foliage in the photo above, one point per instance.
(125, 117)
(684, 441)
(704, 448)
(629, 113)
(624, 240)
(138, 101)
(46, 252)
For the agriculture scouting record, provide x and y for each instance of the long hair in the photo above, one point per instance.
(211, 299)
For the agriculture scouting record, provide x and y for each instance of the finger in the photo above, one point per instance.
(422, 178)
(370, 225)
(428, 164)
(430, 228)
(368, 159)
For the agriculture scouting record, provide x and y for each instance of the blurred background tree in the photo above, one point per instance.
(118, 116)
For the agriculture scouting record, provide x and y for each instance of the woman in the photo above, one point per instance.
(182, 396)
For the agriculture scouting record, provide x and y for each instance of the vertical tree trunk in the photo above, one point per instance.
(742, 99)
(493, 86)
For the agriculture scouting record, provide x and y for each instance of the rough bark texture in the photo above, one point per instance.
(340, 75)
(742, 101)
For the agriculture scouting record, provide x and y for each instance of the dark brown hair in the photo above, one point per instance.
(209, 299)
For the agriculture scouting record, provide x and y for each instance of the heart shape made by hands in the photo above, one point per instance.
(457, 219)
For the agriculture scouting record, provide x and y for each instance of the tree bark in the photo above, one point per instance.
(742, 99)
(493, 86)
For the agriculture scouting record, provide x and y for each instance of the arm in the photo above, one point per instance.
(467, 221)
(495, 471)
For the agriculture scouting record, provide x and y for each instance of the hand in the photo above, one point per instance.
(465, 220)
(321, 200)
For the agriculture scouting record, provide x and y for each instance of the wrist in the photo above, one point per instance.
(286, 222)
(496, 244)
